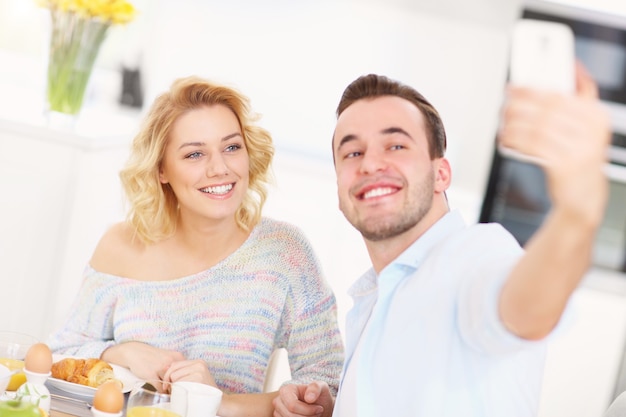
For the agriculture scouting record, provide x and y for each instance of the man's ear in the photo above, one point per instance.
(443, 175)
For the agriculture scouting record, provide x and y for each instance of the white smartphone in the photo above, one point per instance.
(541, 56)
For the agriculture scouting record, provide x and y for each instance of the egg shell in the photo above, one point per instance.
(38, 359)
(109, 398)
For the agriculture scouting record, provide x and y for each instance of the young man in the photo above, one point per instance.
(452, 319)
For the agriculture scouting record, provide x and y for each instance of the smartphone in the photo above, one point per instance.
(542, 56)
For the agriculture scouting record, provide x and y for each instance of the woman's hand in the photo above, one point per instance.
(146, 362)
(188, 370)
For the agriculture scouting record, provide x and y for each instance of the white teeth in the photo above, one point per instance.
(220, 189)
(377, 192)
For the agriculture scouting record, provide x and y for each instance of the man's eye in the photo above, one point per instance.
(352, 155)
(396, 147)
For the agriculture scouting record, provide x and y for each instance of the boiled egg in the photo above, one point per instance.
(38, 359)
(109, 398)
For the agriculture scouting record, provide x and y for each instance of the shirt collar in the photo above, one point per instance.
(414, 255)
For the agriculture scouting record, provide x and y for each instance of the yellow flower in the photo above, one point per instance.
(78, 29)
(109, 11)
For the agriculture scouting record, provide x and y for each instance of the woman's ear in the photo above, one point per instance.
(162, 176)
(443, 174)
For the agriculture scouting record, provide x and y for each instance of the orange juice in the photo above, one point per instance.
(16, 379)
(146, 411)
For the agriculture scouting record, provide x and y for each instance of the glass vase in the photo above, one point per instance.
(74, 44)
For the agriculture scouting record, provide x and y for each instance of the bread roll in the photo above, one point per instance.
(90, 372)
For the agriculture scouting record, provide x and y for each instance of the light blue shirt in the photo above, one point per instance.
(424, 337)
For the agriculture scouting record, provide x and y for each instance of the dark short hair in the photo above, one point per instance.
(372, 85)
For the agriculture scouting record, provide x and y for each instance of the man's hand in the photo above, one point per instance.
(314, 399)
(569, 136)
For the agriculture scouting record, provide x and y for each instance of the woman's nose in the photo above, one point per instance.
(216, 166)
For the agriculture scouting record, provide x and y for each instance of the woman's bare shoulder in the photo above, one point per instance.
(118, 250)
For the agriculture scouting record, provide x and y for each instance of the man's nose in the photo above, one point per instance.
(373, 161)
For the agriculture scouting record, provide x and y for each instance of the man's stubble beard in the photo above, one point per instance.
(411, 213)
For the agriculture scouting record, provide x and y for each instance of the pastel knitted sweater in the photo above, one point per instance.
(268, 294)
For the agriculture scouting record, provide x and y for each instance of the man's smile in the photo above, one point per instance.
(377, 192)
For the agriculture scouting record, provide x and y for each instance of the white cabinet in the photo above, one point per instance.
(59, 192)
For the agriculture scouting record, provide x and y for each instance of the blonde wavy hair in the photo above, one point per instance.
(153, 207)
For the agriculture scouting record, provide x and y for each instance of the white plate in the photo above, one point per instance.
(129, 380)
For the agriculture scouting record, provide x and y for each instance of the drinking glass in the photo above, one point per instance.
(145, 401)
(13, 348)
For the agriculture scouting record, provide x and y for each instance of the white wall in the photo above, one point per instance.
(295, 58)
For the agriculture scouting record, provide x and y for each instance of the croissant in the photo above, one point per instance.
(90, 372)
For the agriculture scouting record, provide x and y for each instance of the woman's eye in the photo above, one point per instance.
(193, 155)
(233, 147)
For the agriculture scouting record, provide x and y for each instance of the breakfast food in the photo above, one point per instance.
(90, 372)
(38, 359)
(109, 398)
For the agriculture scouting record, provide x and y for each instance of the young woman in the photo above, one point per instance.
(196, 284)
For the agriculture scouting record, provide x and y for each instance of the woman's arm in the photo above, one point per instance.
(232, 405)
(312, 338)
(88, 330)
(247, 405)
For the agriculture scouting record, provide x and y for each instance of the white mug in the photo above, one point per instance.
(194, 399)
